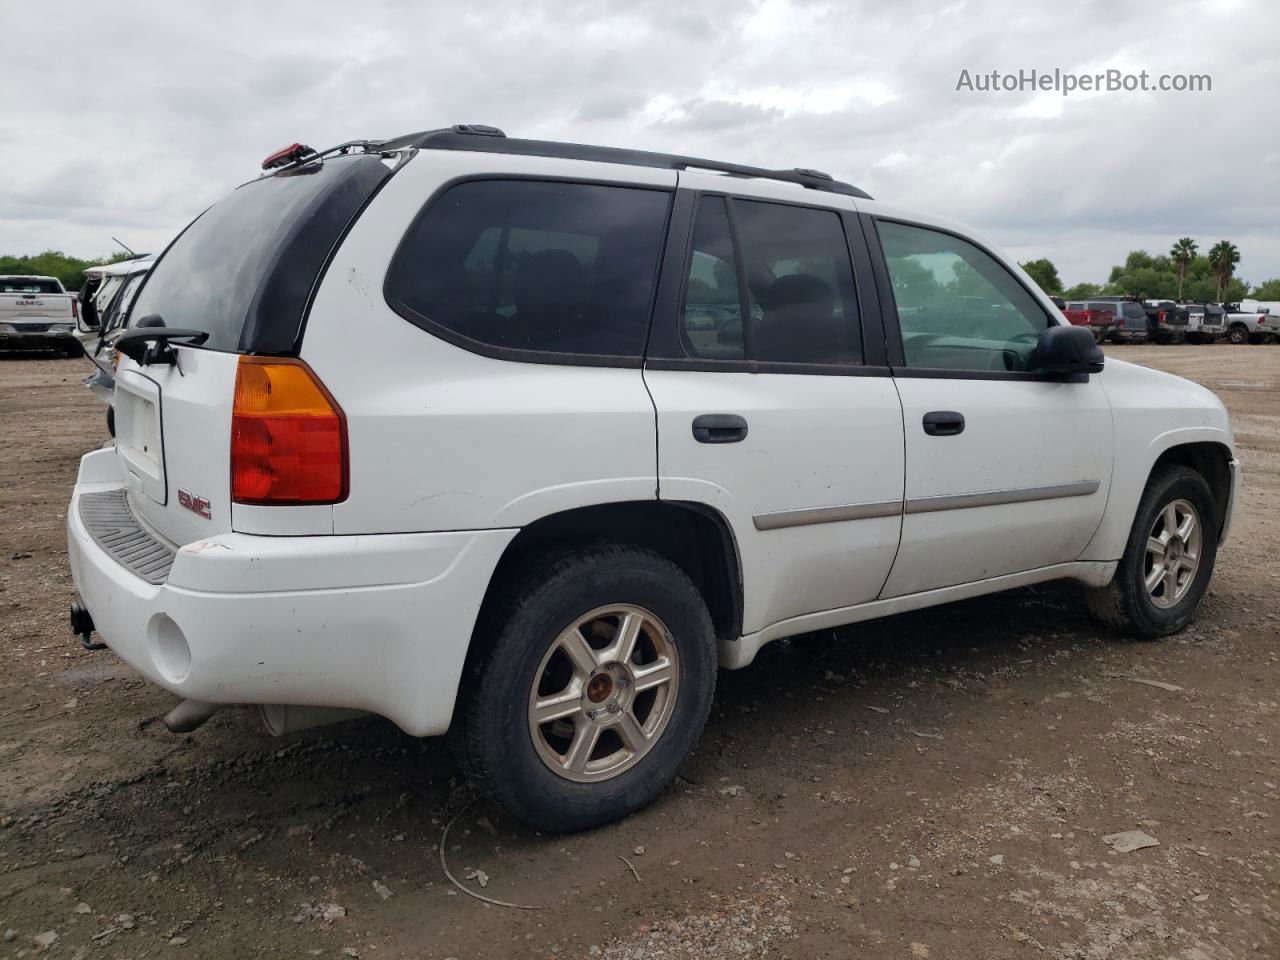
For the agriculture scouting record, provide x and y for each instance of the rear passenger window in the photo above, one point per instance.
(800, 302)
(559, 268)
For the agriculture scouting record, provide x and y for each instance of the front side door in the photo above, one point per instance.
(771, 409)
(1007, 470)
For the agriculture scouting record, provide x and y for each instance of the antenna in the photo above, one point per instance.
(124, 247)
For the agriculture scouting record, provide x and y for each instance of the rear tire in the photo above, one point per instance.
(555, 642)
(1238, 334)
(74, 350)
(1162, 547)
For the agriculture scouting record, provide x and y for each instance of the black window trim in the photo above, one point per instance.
(666, 339)
(893, 327)
(520, 354)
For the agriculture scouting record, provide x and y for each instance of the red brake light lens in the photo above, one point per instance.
(294, 151)
(288, 436)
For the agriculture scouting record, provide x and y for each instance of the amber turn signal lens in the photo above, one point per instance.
(288, 436)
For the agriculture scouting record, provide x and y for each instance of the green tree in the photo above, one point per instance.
(1142, 275)
(1045, 274)
(1182, 253)
(914, 284)
(1223, 257)
(54, 263)
(1082, 291)
(1270, 290)
(968, 282)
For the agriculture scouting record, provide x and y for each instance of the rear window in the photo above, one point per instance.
(33, 286)
(244, 269)
(547, 268)
(1104, 307)
(1134, 312)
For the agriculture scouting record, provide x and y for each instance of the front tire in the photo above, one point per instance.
(1168, 560)
(593, 685)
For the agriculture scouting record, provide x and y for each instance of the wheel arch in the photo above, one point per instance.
(1212, 460)
(1205, 450)
(693, 536)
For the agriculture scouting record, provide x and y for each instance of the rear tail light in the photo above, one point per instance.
(1161, 316)
(288, 436)
(75, 310)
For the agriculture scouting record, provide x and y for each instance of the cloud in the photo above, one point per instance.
(144, 113)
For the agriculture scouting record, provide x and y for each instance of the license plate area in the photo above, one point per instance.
(139, 436)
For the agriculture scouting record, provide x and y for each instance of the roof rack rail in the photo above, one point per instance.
(482, 138)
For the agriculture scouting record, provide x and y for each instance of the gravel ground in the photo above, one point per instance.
(936, 784)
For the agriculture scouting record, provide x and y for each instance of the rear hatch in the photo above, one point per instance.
(34, 303)
(242, 273)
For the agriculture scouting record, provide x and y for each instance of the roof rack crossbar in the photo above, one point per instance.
(486, 139)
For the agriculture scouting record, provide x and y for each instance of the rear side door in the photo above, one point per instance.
(775, 406)
(1007, 470)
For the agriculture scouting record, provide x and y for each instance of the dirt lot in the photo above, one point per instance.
(935, 785)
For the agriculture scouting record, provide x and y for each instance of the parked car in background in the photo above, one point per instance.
(1206, 322)
(431, 432)
(1166, 321)
(1100, 317)
(101, 283)
(115, 286)
(1249, 327)
(1129, 318)
(37, 313)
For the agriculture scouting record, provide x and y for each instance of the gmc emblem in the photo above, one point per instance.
(197, 505)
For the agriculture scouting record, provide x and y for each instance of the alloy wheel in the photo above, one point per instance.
(603, 693)
(1173, 553)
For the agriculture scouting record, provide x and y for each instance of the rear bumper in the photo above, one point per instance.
(376, 623)
(13, 337)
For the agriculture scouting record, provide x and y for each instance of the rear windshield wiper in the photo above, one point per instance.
(148, 342)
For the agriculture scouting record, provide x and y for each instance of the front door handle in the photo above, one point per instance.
(719, 428)
(943, 423)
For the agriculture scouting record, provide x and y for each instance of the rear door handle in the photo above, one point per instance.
(719, 428)
(943, 423)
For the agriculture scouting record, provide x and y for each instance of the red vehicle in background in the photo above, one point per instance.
(1099, 317)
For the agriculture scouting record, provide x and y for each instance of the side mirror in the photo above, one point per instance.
(1066, 350)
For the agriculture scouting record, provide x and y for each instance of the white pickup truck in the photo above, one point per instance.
(37, 313)
(1250, 326)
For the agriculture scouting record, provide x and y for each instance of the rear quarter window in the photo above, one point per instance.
(547, 269)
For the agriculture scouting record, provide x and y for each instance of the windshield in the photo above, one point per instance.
(244, 269)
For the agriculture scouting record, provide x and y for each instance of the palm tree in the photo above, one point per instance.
(1223, 257)
(1182, 253)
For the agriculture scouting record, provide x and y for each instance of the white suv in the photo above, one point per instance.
(521, 440)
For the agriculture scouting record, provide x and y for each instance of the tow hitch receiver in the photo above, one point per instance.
(82, 626)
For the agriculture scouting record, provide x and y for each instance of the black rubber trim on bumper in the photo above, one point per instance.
(107, 517)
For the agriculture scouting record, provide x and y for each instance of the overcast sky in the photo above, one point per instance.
(127, 119)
